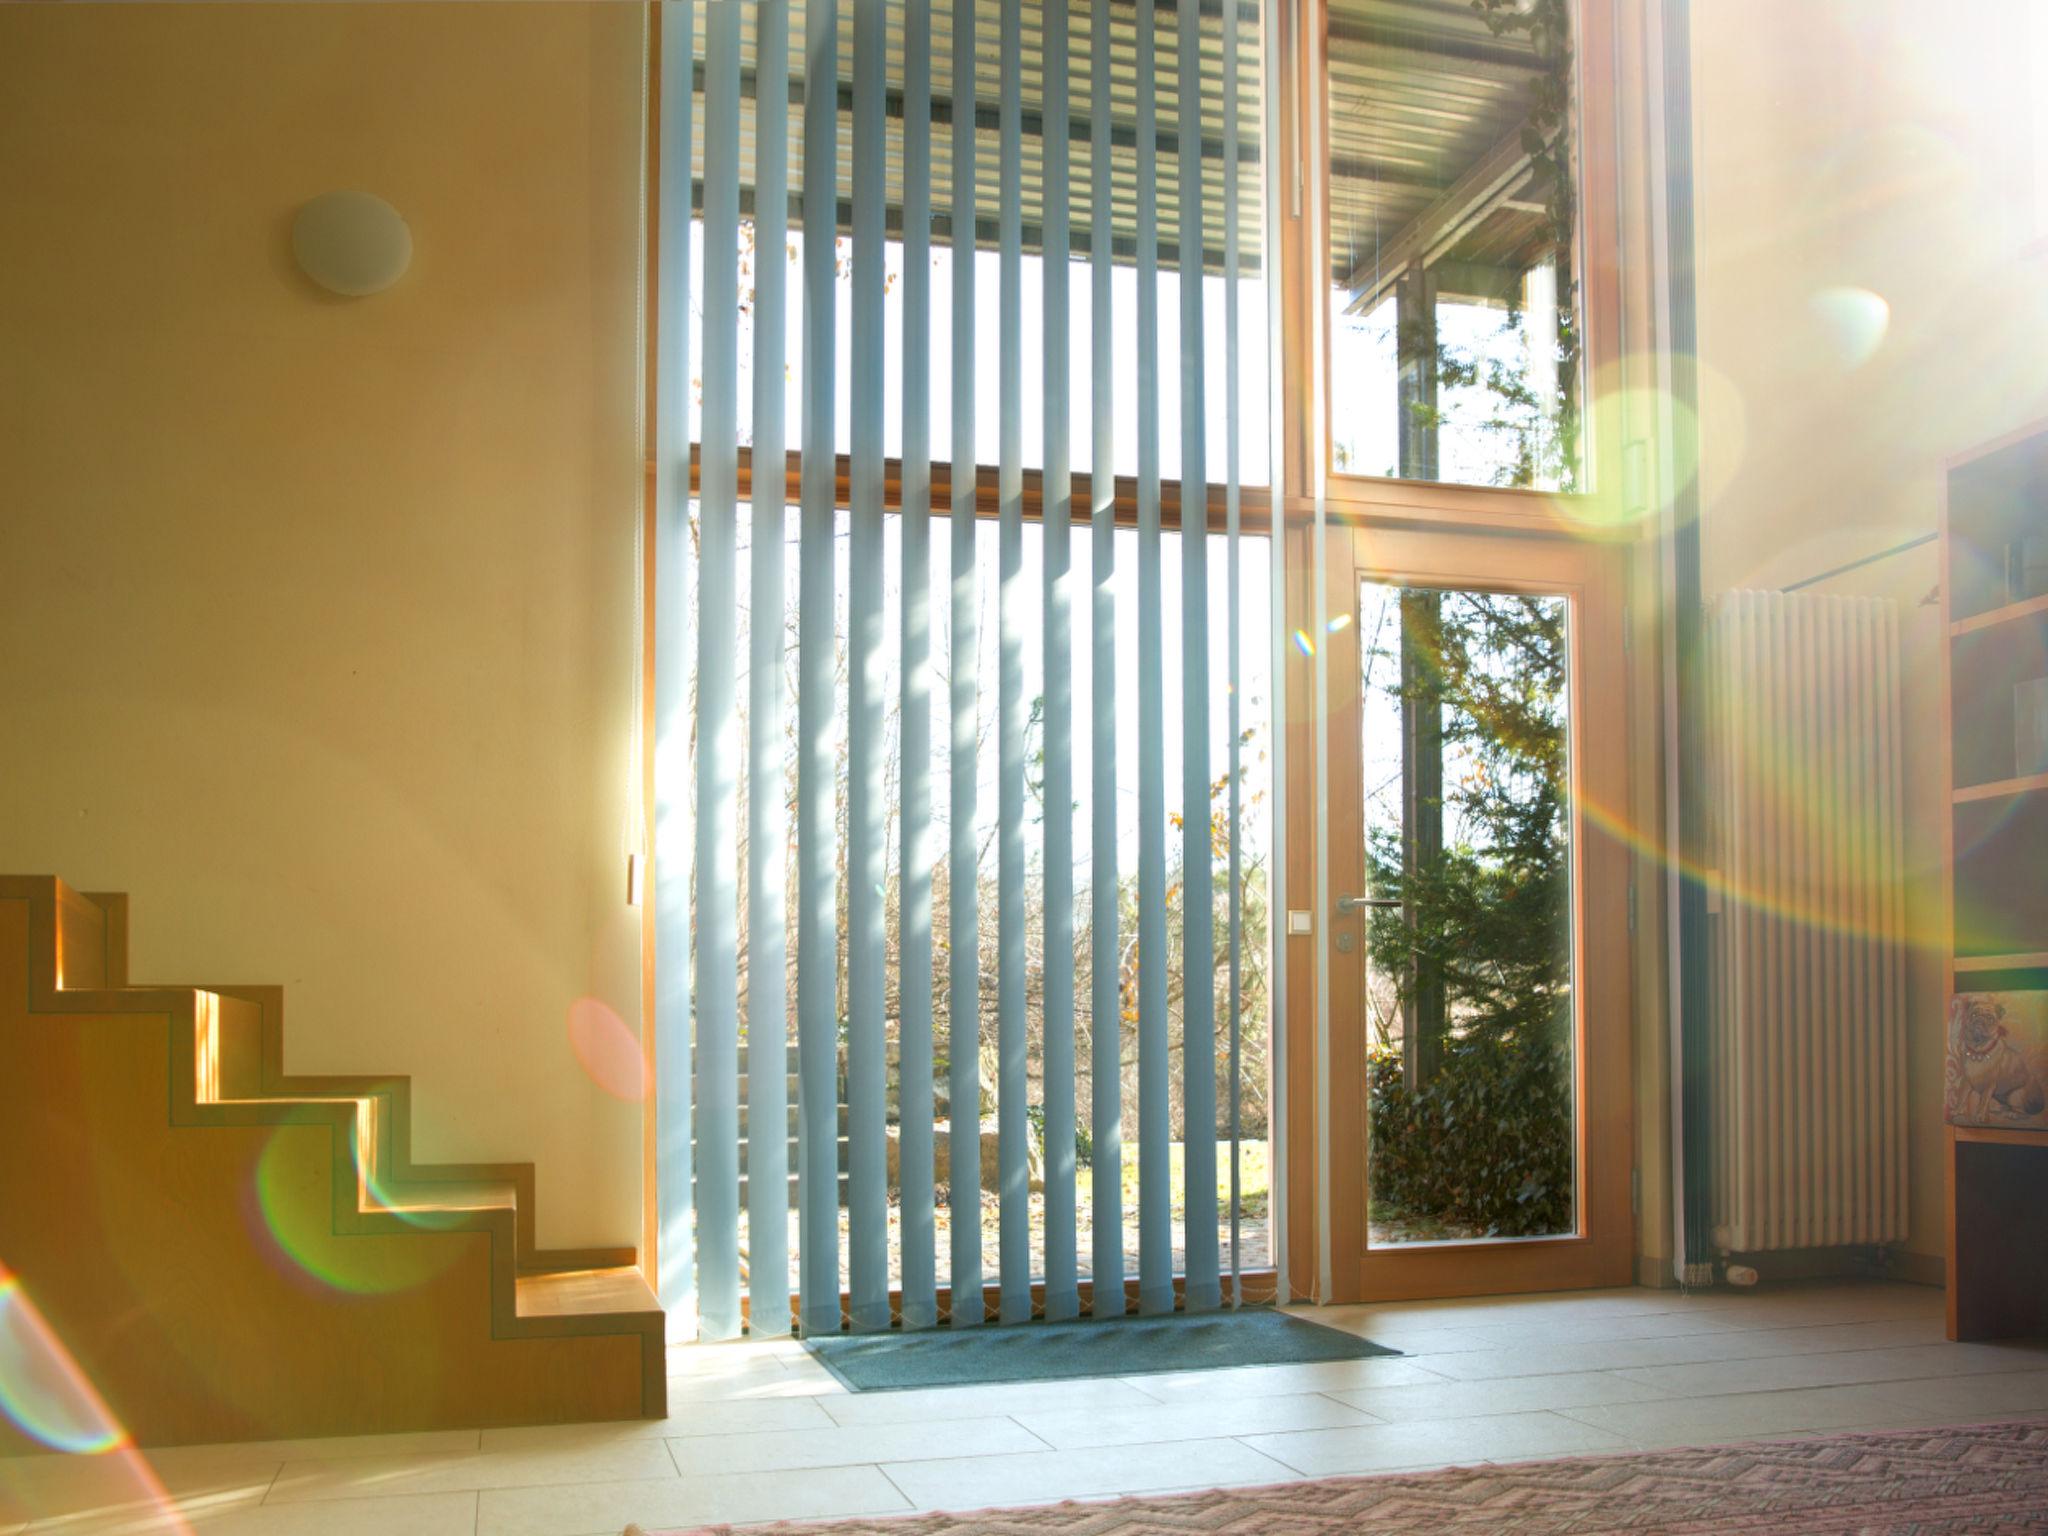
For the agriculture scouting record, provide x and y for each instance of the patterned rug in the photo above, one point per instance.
(1929, 1482)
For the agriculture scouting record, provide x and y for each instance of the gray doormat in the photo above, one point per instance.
(1126, 1346)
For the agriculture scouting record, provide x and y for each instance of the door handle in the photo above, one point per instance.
(1347, 904)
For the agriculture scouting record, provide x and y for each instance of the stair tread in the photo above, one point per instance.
(462, 1195)
(585, 1293)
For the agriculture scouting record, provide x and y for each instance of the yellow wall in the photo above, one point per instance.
(317, 625)
(1887, 146)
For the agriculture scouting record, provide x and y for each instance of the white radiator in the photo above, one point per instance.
(1808, 923)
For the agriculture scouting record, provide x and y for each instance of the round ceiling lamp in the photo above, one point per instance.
(352, 243)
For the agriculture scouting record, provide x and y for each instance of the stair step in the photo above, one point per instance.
(585, 1293)
(423, 1199)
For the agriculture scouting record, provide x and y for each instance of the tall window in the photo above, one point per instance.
(1454, 276)
(977, 739)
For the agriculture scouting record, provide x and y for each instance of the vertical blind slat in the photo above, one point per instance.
(1155, 1222)
(1233, 512)
(1198, 884)
(1105, 1086)
(718, 1274)
(867, 1052)
(914, 905)
(1062, 1298)
(675, 1238)
(767, 816)
(817, 892)
(1012, 1067)
(963, 917)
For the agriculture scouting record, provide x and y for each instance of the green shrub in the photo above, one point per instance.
(1485, 1144)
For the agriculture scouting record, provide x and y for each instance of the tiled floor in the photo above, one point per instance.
(759, 1431)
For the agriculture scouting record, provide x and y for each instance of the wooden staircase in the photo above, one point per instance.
(230, 1253)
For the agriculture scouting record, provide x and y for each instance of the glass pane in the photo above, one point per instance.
(1472, 1124)
(1454, 335)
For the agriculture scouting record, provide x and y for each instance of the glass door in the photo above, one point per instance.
(1478, 1044)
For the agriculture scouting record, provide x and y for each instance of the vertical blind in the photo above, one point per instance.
(870, 125)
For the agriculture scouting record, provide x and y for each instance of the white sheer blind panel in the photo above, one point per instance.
(999, 233)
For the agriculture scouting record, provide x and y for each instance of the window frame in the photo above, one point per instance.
(1303, 258)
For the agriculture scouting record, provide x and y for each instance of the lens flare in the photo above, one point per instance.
(41, 1388)
(1853, 321)
(44, 1393)
(1303, 644)
(1629, 413)
(292, 1210)
(608, 1049)
(1814, 907)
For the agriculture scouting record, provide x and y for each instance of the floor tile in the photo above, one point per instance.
(183, 1516)
(371, 1476)
(1745, 1415)
(1961, 1399)
(976, 1483)
(36, 1488)
(441, 1514)
(850, 1445)
(603, 1509)
(1222, 1415)
(1282, 1380)
(1513, 1394)
(1832, 1369)
(990, 1400)
(1446, 1442)
(335, 1448)
(1544, 1356)
(1560, 1330)
(695, 1389)
(738, 1416)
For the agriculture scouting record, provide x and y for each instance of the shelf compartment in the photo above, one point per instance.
(2001, 901)
(1986, 665)
(1993, 500)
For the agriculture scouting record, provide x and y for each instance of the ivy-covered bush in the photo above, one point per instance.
(1485, 1144)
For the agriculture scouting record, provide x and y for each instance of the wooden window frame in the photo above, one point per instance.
(1601, 1250)
(1302, 259)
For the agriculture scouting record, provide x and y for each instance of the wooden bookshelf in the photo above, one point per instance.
(1994, 591)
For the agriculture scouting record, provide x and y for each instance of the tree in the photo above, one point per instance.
(1486, 1141)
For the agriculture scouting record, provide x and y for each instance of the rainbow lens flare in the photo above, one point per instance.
(293, 1213)
(41, 1388)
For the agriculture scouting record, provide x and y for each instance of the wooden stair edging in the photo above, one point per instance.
(232, 1035)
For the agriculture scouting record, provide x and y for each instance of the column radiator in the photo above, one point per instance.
(1807, 922)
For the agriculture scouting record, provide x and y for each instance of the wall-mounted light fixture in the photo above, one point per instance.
(351, 243)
